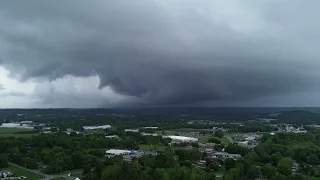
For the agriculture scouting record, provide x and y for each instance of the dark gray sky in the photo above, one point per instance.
(106, 53)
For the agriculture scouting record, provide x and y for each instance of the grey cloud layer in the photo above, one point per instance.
(172, 52)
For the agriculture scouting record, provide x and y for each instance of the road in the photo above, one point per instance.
(46, 176)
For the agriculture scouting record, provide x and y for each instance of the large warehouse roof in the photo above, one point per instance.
(96, 127)
(117, 152)
(182, 138)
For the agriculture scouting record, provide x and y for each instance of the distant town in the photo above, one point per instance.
(73, 146)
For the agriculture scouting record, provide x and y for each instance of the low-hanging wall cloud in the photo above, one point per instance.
(166, 52)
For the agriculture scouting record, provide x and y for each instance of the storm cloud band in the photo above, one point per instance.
(166, 53)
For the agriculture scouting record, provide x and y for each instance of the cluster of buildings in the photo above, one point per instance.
(23, 125)
(290, 128)
(48, 130)
(314, 126)
(181, 139)
(6, 174)
(90, 128)
(129, 155)
(223, 155)
(119, 152)
(249, 140)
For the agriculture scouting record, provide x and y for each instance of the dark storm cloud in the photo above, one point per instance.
(173, 52)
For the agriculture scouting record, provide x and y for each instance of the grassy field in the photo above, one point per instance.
(204, 139)
(232, 133)
(6, 132)
(21, 172)
(225, 140)
(151, 147)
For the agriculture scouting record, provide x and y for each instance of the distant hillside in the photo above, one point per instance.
(175, 111)
(228, 113)
(299, 116)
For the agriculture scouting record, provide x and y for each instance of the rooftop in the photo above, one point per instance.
(96, 127)
(117, 151)
(182, 138)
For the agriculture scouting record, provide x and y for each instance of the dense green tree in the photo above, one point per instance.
(3, 160)
(278, 177)
(214, 140)
(77, 159)
(229, 163)
(232, 174)
(296, 177)
(268, 171)
(313, 159)
(215, 165)
(233, 148)
(275, 157)
(111, 172)
(306, 169)
(241, 167)
(192, 155)
(284, 166)
(218, 134)
(218, 147)
(254, 172)
(29, 163)
(186, 163)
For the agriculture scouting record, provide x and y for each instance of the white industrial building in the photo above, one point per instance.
(119, 152)
(150, 127)
(131, 130)
(225, 155)
(149, 134)
(16, 125)
(113, 137)
(88, 128)
(182, 139)
(26, 122)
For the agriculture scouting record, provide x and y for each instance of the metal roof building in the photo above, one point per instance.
(117, 152)
(182, 138)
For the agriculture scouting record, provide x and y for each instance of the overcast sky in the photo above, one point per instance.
(106, 53)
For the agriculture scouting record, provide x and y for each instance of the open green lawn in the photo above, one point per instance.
(225, 140)
(61, 178)
(151, 147)
(6, 132)
(232, 133)
(21, 172)
(204, 139)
